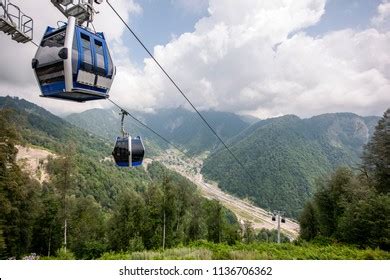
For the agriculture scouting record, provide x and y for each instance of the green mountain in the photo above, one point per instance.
(286, 155)
(95, 176)
(107, 209)
(180, 126)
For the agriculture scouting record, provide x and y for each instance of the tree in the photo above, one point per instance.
(62, 170)
(214, 221)
(86, 230)
(2, 244)
(376, 156)
(249, 232)
(18, 194)
(367, 222)
(308, 222)
(333, 197)
(125, 226)
(197, 226)
(153, 223)
(47, 234)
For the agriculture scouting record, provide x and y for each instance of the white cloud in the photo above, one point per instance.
(229, 63)
(17, 77)
(249, 57)
(254, 57)
(382, 19)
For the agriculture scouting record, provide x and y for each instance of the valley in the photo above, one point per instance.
(244, 209)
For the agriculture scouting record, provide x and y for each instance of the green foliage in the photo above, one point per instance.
(309, 222)
(2, 244)
(61, 254)
(18, 194)
(285, 156)
(376, 158)
(203, 250)
(87, 228)
(105, 208)
(116, 210)
(367, 223)
(266, 235)
(126, 223)
(248, 232)
(353, 208)
(47, 231)
(169, 212)
(347, 210)
(180, 126)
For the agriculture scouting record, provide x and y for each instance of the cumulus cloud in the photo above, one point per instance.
(16, 75)
(254, 57)
(382, 19)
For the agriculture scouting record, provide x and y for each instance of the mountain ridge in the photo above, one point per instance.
(286, 155)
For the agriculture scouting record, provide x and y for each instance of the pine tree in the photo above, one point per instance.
(2, 244)
(308, 222)
(125, 226)
(376, 156)
(18, 194)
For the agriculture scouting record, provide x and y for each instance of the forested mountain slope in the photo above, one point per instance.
(106, 208)
(286, 155)
(180, 126)
(93, 175)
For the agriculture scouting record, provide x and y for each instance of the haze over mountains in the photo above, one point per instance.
(180, 126)
(285, 155)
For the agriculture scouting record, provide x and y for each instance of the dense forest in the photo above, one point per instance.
(180, 126)
(286, 155)
(105, 209)
(154, 213)
(354, 207)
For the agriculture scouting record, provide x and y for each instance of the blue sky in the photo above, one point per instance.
(342, 14)
(338, 61)
(160, 20)
(158, 23)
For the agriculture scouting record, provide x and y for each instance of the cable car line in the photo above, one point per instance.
(149, 128)
(35, 44)
(91, 77)
(181, 92)
(140, 122)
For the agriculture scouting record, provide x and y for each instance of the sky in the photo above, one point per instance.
(264, 58)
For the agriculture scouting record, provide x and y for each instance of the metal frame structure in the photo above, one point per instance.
(15, 23)
(278, 215)
(82, 10)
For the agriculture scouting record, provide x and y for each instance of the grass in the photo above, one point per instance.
(255, 251)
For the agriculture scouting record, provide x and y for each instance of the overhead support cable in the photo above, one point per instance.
(181, 92)
(125, 112)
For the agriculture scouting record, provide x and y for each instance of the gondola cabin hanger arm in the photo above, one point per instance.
(128, 152)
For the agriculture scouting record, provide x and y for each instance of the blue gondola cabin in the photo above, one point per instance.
(74, 63)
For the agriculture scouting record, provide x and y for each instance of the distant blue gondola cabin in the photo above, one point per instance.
(74, 63)
(128, 152)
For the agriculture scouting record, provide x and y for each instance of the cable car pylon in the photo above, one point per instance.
(15, 23)
(82, 10)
